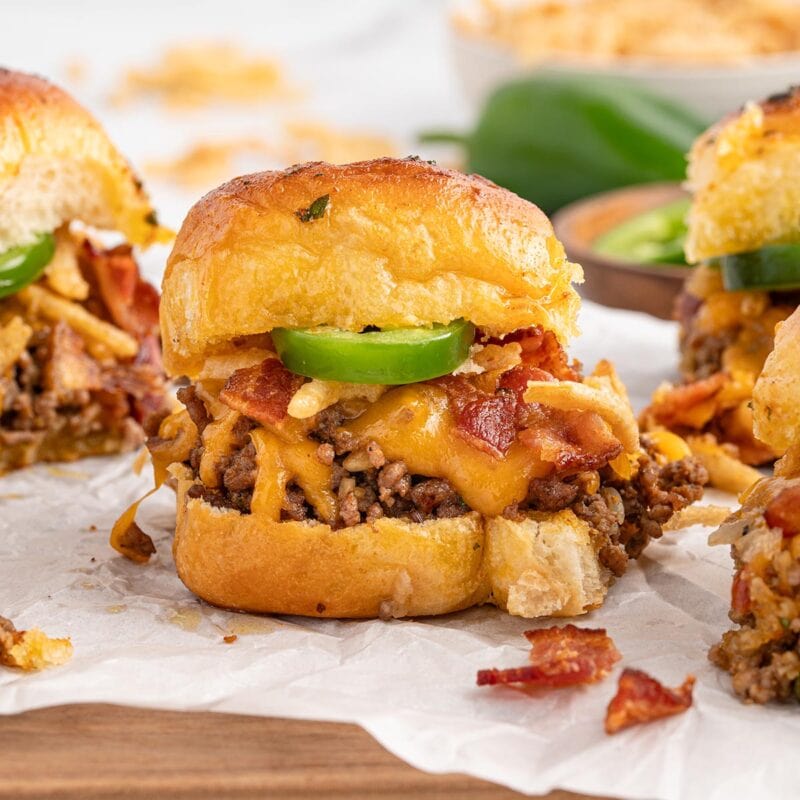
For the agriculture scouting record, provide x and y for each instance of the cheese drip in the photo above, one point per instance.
(279, 463)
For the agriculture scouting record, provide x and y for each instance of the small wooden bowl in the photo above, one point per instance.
(651, 288)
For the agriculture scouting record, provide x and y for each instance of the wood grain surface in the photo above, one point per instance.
(89, 752)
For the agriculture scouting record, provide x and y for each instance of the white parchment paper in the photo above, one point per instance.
(141, 638)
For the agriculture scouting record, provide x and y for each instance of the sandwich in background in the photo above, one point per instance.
(80, 366)
(381, 418)
(744, 236)
(763, 652)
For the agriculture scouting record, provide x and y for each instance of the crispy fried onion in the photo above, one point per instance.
(220, 366)
(489, 357)
(315, 396)
(560, 656)
(14, 337)
(51, 306)
(63, 274)
(177, 437)
(599, 393)
(262, 392)
(725, 470)
(641, 698)
(709, 516)
(32, 649)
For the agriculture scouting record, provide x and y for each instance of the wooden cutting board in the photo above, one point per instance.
(89, 752)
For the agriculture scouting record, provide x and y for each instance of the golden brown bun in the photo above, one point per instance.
(542, 566)
(401, 242)
(776, 396)
(745, 175)
(56, 446)
(58, 165)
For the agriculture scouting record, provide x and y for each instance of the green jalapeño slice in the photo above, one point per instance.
(390, 357)
(20, 266)
(775, 267)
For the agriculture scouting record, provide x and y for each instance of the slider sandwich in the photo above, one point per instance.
(744, 235)
(380, 417)
(80, 366)
(763, 652)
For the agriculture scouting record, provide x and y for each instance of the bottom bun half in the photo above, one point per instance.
(545, 565)
(24, 450)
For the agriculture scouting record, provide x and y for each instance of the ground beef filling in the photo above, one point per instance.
(762, 653)
(36, 401)
(702, 352)
(624, 515)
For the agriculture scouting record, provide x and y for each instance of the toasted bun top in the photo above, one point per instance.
(58, 165)
(776, 412)
(745, 175)
(399, 243)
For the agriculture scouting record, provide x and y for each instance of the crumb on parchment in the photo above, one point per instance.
(32, 649)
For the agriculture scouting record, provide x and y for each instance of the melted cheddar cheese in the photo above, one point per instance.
(280, 462)
(410, 423)
(217, 444)
(413, 423)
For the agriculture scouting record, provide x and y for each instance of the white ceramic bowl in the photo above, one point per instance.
(710, 91)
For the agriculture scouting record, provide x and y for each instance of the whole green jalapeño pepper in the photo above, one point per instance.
(387, 357)
(556, 138)
(20, 266)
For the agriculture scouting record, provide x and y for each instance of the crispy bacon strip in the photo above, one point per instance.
(691, 405)
(783, 512)
(571, 440)
(486, 421)
(561, 656)
(132, 303)
(261, 392)
(517, 379)
(641, 698)
(542, 349)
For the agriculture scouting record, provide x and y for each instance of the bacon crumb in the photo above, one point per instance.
(486, 421)
(783, 512)
(740, 592)
(541, 349)
(132, 302)
(230, 638)
(262, 392)
(561, 656)
(641, 698)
